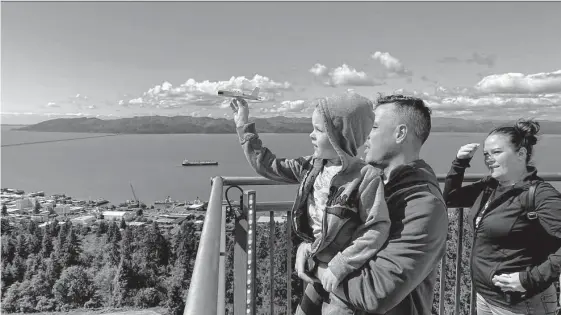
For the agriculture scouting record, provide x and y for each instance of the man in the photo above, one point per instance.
(401, 278)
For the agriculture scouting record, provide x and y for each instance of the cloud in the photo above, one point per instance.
(392, 64)
(204, 93)
(476, 58)
(481, 59)
(470, 103)
(298, 106)
(545, 82)
(52, 105)
(342, 76)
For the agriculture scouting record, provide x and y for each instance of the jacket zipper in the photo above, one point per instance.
(294, 226)
(324, 219)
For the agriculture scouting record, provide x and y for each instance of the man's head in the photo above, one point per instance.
(402, 125)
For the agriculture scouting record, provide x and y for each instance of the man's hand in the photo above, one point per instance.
(509, 282)
(326, 277)
(328, 280)
(241, 111)
(302, 255)
(467, 151)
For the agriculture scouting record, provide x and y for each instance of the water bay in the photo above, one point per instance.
(103, 167)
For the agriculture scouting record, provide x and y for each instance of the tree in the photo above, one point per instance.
(123, 281)
(71, 249)
(37, 207)
(4, 210)
(74, 288)
(123, 223)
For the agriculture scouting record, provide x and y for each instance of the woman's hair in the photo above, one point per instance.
(521, 135)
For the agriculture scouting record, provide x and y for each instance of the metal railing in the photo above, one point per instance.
(207, 289)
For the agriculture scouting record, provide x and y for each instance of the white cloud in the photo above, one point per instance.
(392, 64)
(470, 103)
(545, 82)
(342, 76)
(319, 70)
(52, 104)
(204, 93)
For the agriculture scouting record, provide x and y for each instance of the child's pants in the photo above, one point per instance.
(317, 301)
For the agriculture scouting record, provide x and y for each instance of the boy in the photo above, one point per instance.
(339, 212)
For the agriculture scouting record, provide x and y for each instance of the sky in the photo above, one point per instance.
(475, 60)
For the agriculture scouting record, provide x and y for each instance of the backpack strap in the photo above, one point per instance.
(531, 213)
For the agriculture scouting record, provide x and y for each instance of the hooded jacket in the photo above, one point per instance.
(355, 221)
(401, 278)
(507, 240)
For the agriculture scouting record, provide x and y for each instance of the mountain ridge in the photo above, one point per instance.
(207, 125)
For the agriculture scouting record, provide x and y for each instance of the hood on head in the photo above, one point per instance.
(348, 119)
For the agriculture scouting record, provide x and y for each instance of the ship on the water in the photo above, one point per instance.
(198, 163)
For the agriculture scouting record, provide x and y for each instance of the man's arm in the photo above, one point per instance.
(370, 236)
(417, 243)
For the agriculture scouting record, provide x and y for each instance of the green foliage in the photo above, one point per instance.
(64, 267)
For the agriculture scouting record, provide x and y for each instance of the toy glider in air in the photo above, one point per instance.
(239, 94)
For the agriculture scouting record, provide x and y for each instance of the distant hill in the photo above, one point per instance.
(280, 124)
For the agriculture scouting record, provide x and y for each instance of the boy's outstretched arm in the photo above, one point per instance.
(370, 236)
(263, 161)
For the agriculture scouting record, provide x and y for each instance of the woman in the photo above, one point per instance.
(516, 254)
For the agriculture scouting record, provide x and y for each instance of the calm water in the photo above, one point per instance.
(103, 167)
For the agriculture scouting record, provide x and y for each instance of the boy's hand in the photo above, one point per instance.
(328, 280)
(302, 254)
(241, 111)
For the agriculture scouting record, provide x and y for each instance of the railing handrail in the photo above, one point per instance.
(203, 290)
(262, 181)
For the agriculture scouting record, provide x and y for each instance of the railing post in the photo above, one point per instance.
(289, 263)
(221, 302)
(251, 252)
(442, 284)
(272, 260)
(244, 257)
(203, 289)
(459, 249)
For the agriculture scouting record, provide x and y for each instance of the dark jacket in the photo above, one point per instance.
(507, 239)
(356, 220)
(401, 278)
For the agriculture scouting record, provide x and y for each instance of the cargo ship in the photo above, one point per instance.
(198, 163)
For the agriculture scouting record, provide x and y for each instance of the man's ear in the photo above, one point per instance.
(400, 133)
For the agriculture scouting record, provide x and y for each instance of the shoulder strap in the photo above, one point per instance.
(530, 202)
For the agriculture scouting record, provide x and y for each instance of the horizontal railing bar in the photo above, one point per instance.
(275, 206)
(262, 181)
(250, 181)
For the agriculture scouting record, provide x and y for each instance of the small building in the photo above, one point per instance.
(84, 220)
(117, 215)
(64, 209)
(25, 203)
(136, 223)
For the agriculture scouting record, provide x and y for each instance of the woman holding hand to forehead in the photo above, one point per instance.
(516, 254)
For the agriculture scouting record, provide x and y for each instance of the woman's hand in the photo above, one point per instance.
(467, 151)
(509, 282)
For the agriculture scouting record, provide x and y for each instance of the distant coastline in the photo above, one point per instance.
(206, 125)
